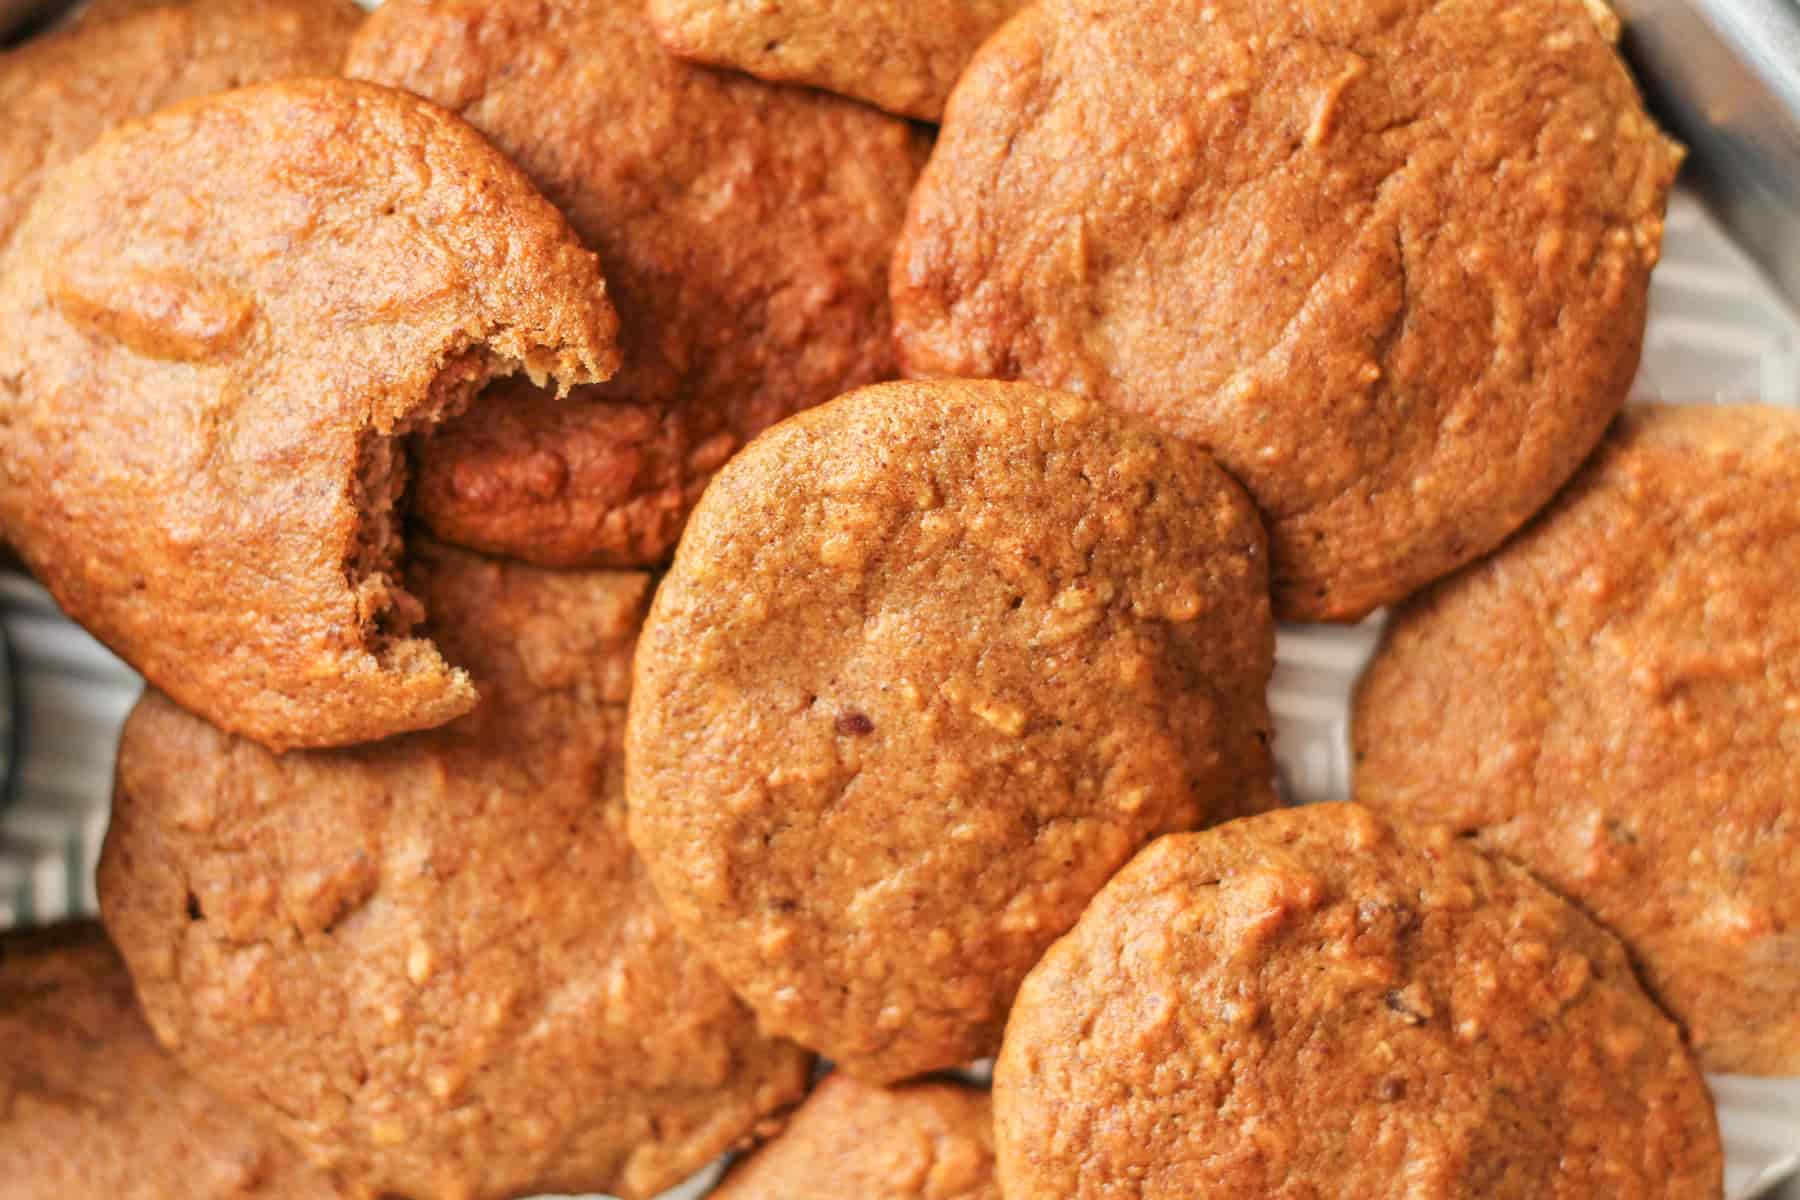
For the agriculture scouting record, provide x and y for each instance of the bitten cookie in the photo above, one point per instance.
(60, 93)
(92, 1109)
(746, 231)
(434, 963)
(1387, 260)
(1321, 1002)
(925, 1141)
(1613, 699)
(904, 55)
(199, 404)
(933, 661)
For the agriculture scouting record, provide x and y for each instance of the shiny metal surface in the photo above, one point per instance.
(1725, 76)
(7, 728)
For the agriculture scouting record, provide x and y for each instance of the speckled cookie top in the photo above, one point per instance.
(1321, 1002)
(925, 1141)
(932, 662)
(1613, 701)
(61, 92)
(1387, 258)
(434, 962)
(197, 403)
(92, 1109)
(746, 231)
(904, 55)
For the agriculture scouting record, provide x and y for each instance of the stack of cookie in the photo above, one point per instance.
(655, 578)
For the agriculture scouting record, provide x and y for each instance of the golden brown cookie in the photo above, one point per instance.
(199, 406)
(746, 231)
(434, 963)
(1613, 700)
(925, 1141)
(1321, 1002)
(1387, 259)
(904, 55)
(933, 661)
(60, 93)
(92, 1109)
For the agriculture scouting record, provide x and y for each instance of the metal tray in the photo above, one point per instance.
(1725, 76)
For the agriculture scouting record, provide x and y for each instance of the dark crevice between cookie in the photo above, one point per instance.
(388, 613)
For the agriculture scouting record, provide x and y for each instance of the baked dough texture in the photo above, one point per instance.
(933, 661)
(746, 231)
(932, 1140)
(126, 59)
(92, 1109)
(904, 55)
(213, 326)
(1325, 1002)
(1386, 259)
(1613, 701)
(434, 963)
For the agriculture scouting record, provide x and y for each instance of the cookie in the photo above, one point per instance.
(200, 406)
(92, 1109)
(434, 963)
(926, 1141)
(1387, 261)
(904, 55)
(1324, 1002)
(60, 93)
(1611, 700)
(933, 661)
(746, 231)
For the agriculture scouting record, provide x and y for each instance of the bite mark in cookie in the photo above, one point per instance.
(205, 403)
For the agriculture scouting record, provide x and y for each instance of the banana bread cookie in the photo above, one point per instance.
(933, 661)
(199, 405)
(92, 1109)
(1387, 259)
(1324, 1002)
(434, 963)
(1613, 700)
(932, 1140)
(904, 55)
(60, 93)
(746, 231)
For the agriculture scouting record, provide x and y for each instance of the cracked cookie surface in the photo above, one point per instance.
(932, 662)
(1386, 259)
(434, 963)
(200, 406)
(1325, 1002)
(1612, 700)
(745, 229)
